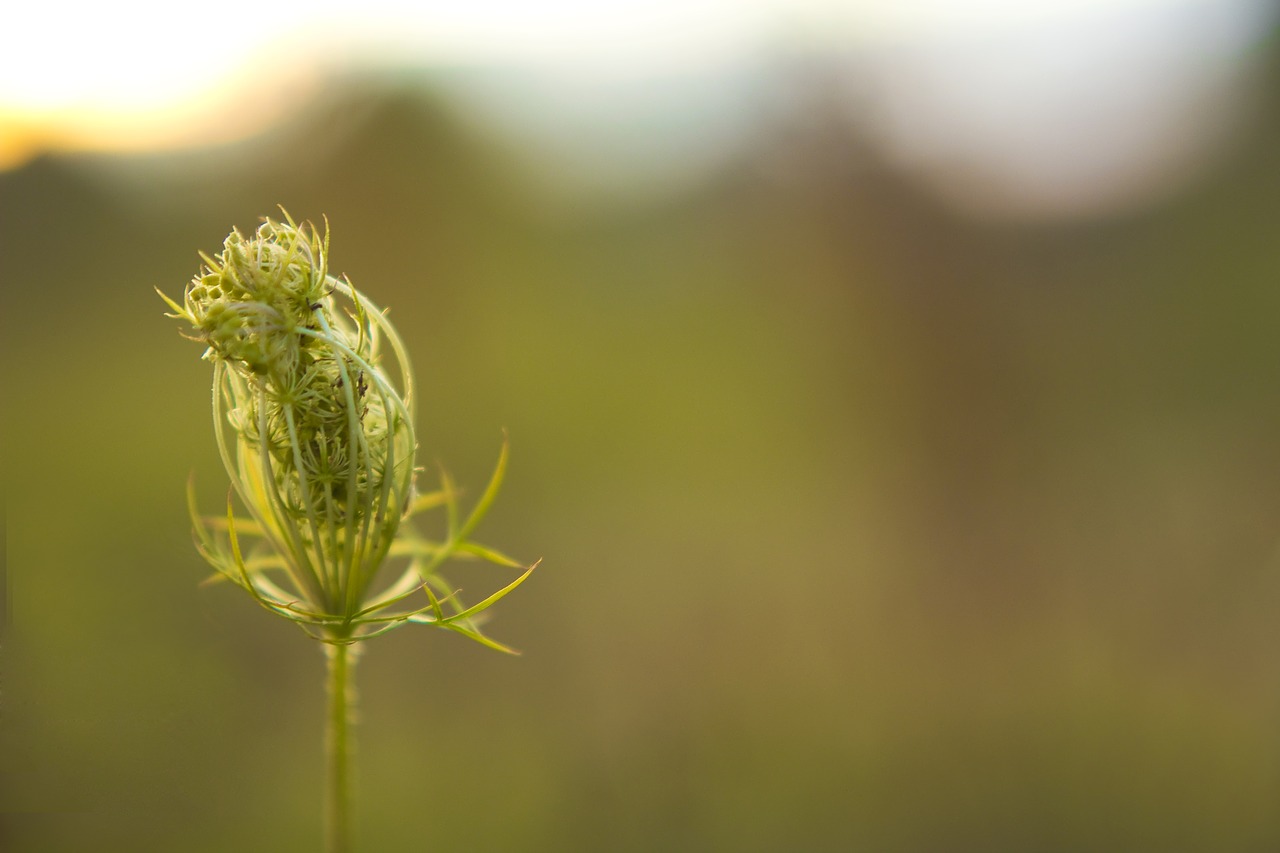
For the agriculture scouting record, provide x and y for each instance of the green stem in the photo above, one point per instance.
(342, 694)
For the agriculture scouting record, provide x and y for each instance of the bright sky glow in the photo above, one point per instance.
(136, 73)
(138, 54)
(1018, 83)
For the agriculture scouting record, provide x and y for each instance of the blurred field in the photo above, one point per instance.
(865, 526)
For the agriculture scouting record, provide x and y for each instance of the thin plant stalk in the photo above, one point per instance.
(338, 746)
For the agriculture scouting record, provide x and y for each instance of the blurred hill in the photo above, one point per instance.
(867, 526)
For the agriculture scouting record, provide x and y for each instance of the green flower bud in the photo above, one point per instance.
(316, 431)
(316, 436)
(315, 426)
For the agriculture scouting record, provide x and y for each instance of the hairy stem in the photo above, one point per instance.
(338, 745)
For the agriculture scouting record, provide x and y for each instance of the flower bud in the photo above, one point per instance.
(317, 436)
(317, 439)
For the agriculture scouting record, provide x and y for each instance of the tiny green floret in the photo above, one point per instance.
(313, 410)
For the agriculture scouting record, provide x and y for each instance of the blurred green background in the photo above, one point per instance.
(867, 524)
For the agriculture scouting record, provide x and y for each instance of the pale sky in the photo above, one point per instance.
(970, 82)
(134, 54)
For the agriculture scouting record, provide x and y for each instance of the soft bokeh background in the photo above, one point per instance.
(894, 399)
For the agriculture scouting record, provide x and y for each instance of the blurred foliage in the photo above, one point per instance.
(866, 527)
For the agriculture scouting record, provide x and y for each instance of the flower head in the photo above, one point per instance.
(317, 435)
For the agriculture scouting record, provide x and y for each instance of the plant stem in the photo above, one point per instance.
(342, 659)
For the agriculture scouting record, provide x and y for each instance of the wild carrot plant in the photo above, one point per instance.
(313, 413)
